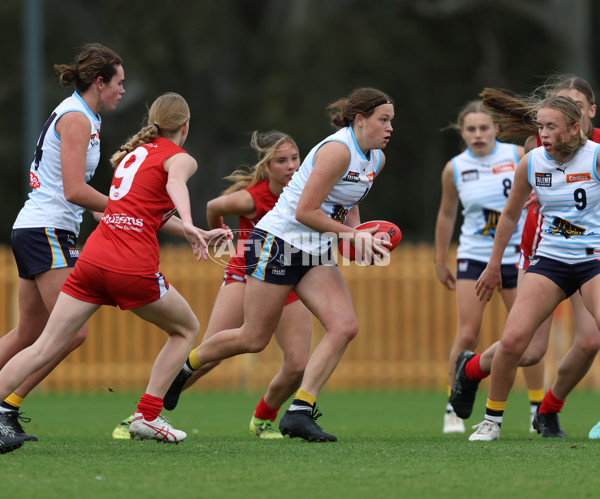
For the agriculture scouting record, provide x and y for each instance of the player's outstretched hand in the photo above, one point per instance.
(220, 237)
(199, 238)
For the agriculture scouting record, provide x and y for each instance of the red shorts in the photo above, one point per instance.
(95, 285)
(237, 274)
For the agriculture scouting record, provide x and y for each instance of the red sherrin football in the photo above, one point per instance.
(387, 230)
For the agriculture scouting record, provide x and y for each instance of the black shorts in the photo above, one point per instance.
(472, 269)
(568, 277)
(40, 249)
(271, 259)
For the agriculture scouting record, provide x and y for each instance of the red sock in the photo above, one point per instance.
(551, 403)
(472, 369)
(150, 406)
(263, 411)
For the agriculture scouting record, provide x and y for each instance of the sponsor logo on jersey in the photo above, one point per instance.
(543, 179)
(463, 265)
(566, 228)
(123, 221)
(34, 181)
(491, 218)
(505, 167)
(578, 177)
(352, 177)
(339, 213)
(73, 252)
(470, 175)
(95, 139)
(371, 176)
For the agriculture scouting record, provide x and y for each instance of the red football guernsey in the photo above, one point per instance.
(138, 205)
(264, 200)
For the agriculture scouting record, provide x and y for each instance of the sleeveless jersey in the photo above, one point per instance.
(46, 205)
(569, 195)
(350, 188)
(138, 205)
(533, 222)
(483, 185)
(264, 200)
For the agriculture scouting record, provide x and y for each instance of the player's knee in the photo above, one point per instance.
(256, 346)
(195, 326)
(255, 343)
(79, 338)
(530, 358)
(351, 333)
(588, 346)
(533, 354)
(191, 329)
(467, 340)
(513, 346)
(294, 371)
(298, 367)
(348, 330)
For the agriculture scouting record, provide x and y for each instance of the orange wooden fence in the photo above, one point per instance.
(407, 323)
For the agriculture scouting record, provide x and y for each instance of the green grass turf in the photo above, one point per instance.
(390, 445)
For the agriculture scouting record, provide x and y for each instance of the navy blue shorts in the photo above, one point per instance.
(472, 269)
(271, 259)
(40, 249)
(568, 277)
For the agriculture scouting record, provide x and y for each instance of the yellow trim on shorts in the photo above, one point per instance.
(55, 247)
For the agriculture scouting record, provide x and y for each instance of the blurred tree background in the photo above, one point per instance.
(276, 64)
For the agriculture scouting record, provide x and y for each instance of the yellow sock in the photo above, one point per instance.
(449, 390)
(14, 400)
(193, 360)
(495, 405)
(306, 397)
(536, 396)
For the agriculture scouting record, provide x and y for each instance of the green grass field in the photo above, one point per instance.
(390, 445)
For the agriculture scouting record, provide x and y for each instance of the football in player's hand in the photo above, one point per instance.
(387, 231)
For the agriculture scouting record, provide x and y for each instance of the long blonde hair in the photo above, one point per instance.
(265, 145)
(166, 116)
(513, 113)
